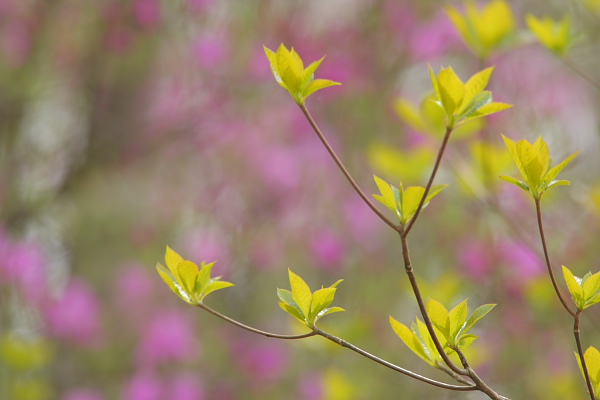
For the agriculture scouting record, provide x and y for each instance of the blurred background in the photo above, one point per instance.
(129, 125)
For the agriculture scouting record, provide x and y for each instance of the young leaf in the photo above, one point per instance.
(321, 299)
(387, 197)
(301, 293)
(479, 313)
(574, 287)
(173, 260)
(292, 311)
(213, 286)
(327, 311)
(412, 341)
(439, 317)
(458, 317)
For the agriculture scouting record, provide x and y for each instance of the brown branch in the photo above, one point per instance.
(394, 367)
(345, 171)
(438, 160)
(251, 329)
(538, 208)
(584, 367)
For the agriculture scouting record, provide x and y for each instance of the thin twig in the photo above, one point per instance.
(438, 160)
(415, 287)
(538, 208)
(569, 63)
(584, 367)
(378, 360)
(251, 329)
(345, 171)
(481, 385)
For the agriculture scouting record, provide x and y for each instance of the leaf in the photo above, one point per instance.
(516, 182)
(421, 331)
(433, 191)
(574, 287)
(317, 84)
(512, 149)
(439, 317)
(412, 341)
(451, 90)
(480, 100)
(286, 297)
(173, 260)
(336, 283)
(557, 169)
(387, 194)
(301, 293)
(309, 73)
(479, 313)
(466, 341)
(561, 182)
(203, 279)
(409, 114)
(292, 311)
(187, 272)
(327, 311)
(214, 286)
(488, 109)
(410, 202)
(169, 280)
(474, 86)
(321, 299)
(458, 317)
(434, 83)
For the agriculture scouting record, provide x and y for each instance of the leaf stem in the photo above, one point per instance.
(438, 160)
(538, 208)
(394, 367)
(586, 373)
(344, 170)
(251, 329)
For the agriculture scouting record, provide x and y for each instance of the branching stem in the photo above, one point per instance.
(538, 208)
(345, 171)
(378, 360)
(438, 160)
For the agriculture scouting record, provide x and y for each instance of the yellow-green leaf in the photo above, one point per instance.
(317, 84)
(173, 260)
(187, 272)
(439, 317)
(475, 85)
(574, 287)
(387, 197)
(301, 293)
(458, 317)
(451, 90)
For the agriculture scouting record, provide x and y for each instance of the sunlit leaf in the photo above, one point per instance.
(439, 317)
(301, 293)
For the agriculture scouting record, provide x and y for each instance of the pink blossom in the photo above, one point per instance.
(433, 38)
(75, 315)
(474, 259)
(521, 260)
(186, 387)
(134, 287)
(143, 385)
(147, 13)
(168, 337)
(82, 394)
(327, 249)
(311, 387)
(264, 362)
(210, 51)
(16, 41)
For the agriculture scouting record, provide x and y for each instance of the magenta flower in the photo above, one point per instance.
(186, 387)
(147, 13)
(168, 337)
(75, 315)
(327, 249)
(474, 259)
(264, 362)
(143, 385)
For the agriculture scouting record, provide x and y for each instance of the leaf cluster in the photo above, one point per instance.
(452, 328)
(186, 280)
(404, 202)
(464, 102)
(288, 70)
(556, 36)
(302, 303)
(585, 291)
(484, 29)
(533, 162)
